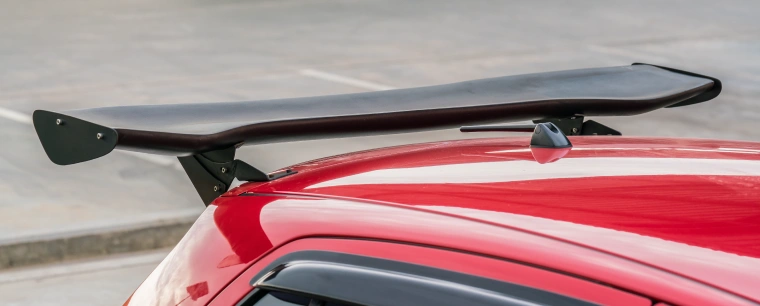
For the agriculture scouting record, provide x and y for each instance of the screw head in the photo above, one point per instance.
(58, 121)
(575, 130)
(224, 170)
(216, 188)
(99, 136)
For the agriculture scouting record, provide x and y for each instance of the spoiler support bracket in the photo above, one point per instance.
(212, 172)
(574, 125)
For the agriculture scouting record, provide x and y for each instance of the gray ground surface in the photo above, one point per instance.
(74, 54)
(107, 281)
(91, 288)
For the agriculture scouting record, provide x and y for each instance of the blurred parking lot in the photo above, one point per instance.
(59, 55)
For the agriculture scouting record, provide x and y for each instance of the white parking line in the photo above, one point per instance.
(159, 160)
(15, 116)
(326, 76)
(156, 159)
(168, 161)
(628, 54)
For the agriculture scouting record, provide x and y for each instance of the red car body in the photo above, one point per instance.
(618, 220)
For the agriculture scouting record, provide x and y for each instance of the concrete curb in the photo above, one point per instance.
(150, 234)
(42, 272)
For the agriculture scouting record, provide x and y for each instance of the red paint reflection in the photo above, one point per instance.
(198, 290)
(705, 211)
(240, 224)
(548, 155)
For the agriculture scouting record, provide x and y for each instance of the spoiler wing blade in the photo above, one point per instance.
(187, 129)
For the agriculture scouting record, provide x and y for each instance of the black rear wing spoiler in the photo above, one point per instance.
(75, 136)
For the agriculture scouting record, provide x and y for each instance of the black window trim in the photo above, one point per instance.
(304, 272)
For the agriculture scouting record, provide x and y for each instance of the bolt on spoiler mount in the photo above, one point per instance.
(204, 136)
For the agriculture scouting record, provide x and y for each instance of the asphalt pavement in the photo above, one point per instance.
(59, 55)
(107, 281)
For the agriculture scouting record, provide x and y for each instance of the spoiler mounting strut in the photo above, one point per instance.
(212, 172)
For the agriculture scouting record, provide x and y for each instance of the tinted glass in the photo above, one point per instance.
(282, 299)
(274, 298)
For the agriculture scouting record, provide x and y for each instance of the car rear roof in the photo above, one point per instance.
(689, 207)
